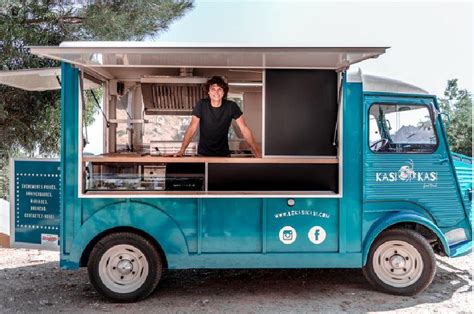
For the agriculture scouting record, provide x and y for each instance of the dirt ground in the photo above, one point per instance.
(31, 281)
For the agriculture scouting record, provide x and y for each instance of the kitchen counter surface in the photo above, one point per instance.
(136, 158)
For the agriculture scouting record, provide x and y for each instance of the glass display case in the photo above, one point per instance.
(144, 177)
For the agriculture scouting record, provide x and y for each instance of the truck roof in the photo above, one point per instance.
(373, 83)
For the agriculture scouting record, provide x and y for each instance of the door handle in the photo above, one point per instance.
(442, 161)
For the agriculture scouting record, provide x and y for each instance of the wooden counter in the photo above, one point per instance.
(138, 193)
(117, 158)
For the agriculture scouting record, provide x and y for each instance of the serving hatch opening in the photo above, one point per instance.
(271, 85)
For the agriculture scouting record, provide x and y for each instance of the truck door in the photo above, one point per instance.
(406, 160)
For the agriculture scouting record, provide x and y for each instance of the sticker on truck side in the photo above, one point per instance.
(36, 198)
(407, 173)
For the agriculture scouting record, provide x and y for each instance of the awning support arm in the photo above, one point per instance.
(339, 97)
(81, 85)
(98, 106)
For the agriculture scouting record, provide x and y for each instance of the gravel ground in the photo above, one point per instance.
(31, 281)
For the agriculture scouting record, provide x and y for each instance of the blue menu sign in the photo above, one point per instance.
(36, 186)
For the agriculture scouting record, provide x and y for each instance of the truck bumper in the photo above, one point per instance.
(460, 249)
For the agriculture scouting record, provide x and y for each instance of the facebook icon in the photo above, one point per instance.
(317, 235)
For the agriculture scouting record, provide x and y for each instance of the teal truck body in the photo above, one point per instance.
(396, 201)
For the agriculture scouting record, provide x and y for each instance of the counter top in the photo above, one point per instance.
(135, 158)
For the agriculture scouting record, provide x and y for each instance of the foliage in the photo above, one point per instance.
(457, 103)
(29, 121)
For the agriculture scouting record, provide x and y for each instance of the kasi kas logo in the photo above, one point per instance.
(407, 173)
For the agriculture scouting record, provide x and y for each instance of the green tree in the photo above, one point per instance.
(29, 121)
(457, 103)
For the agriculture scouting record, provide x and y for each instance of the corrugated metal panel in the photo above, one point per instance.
(440, 196)
(463, 166)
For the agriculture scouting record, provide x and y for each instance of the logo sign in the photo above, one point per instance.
(287, 235)
(407, 173)
(317, 235)
(49, 239)
(35, 203)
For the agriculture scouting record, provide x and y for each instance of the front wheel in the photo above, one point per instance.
(401, 262)
(124, 267)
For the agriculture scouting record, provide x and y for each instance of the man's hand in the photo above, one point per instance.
(257, 153)
(248, 136)
(188, 136)
(178, 154)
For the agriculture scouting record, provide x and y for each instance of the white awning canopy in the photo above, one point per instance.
(37, 79)
(172, 55)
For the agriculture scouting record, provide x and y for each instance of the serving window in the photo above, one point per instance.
(293, 115)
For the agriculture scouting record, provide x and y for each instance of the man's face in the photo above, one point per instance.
(216, 92)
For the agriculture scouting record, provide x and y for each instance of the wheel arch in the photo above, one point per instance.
(410, 221)
(88, 249)
(140, 218)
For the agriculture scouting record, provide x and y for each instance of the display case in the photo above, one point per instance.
(144, 177)
(210, 175)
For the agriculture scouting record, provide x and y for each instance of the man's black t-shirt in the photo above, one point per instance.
(214, 126)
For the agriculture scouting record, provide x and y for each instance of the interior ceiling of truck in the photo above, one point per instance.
(232, 75)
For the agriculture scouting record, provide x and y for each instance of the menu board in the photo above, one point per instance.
(300, 112)
(35, 203)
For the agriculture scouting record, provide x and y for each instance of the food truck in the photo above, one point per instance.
(355, 172)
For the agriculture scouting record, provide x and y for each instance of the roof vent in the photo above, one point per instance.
(172, 95)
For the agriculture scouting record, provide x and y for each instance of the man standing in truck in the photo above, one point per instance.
(214, 116)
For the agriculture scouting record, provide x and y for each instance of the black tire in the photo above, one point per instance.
(400, 262)
(124, 267)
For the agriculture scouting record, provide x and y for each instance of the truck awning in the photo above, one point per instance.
(172, 55)
(37, 79)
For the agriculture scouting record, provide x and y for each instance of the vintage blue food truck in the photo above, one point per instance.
(356, 170)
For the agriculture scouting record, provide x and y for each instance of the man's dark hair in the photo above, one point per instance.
(218, 80)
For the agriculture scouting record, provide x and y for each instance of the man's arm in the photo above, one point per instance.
(248, 136)
(188, 136)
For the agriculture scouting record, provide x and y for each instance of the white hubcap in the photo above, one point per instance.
(123, 268)
(397, 263)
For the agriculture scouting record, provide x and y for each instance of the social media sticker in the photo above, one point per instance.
(317, 235)
(287, 235)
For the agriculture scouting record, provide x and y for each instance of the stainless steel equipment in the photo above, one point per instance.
(167, 148)
(155, 177)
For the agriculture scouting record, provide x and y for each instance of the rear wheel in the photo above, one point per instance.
(124, 267)
(401, 262)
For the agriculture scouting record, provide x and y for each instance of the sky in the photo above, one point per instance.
(430, 42)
